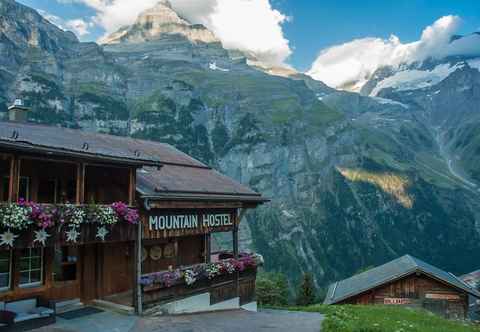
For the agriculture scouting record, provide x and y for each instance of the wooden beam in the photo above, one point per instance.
(193, 205)
(14, 182)
(138, 301)
(132, 186)
(235, 255)
(80, 194)
(208, 248)
(11, 179)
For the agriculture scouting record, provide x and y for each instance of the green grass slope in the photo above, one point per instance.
(358, 318)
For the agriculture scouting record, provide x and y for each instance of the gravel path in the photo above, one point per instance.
(224, 321)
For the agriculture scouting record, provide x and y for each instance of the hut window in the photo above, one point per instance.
(24, 188)
(47, 191)
(31, 267)
(65, 263)
(5, 269)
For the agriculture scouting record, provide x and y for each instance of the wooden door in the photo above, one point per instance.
(89, 273)
(117, 274)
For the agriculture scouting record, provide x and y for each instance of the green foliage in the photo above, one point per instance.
(272, 289)
(321, 115)
(306, 292)
(358, 318)
(174, 124)
(220, 138)
(107, 108)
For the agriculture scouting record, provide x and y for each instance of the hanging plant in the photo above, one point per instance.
(71, 214)
(15, 216)
(190, 277)
(43, 216)
(125, 213)
(102, 215)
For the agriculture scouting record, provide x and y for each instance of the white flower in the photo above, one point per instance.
(41, 236)
(15, 216)
(101, 233)
(72, 235)
(7, 238)
(190, 277)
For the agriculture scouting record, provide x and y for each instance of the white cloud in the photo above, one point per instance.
(354, 62)
(248, 25)
(79, 26)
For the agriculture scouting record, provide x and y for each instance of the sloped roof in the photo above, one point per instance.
(167, 174)
(73, 142)
(184, 182)
(472, 278)
(394, 270)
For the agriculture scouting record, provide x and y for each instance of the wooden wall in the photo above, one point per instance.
(221, 289)
(418, 290)
(102, 270)
(188, 250)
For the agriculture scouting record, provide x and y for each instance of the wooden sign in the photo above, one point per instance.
(396, 301)
(160, 223)
(188, 221)
(434, 296)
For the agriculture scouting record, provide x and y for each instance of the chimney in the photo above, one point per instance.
(18, 112)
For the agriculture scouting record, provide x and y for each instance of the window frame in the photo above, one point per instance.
(10, 270)
(31, 284)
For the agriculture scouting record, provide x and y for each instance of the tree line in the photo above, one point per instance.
(273, 289)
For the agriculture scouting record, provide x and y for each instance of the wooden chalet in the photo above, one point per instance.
(406, 281)
(97, 217)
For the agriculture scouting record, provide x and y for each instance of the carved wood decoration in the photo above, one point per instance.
(87, 234)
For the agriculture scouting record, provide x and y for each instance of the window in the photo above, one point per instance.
(31, 267)
(5, 269)
(65, 268)
(47, 191)
(23, 188)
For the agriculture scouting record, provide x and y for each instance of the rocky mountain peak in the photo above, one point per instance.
(160, 21)
(161, 14)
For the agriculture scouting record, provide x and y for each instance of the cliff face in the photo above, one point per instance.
(354, 180)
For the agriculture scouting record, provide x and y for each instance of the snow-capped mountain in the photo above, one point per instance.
(157, 22)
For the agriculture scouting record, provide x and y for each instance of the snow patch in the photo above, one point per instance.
(389, 101)
(416, 79)
(213, 66)
(475, 63)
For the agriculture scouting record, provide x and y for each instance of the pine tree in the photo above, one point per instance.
(306, 292)
(272, 289)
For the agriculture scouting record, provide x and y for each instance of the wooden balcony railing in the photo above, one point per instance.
(28, 224)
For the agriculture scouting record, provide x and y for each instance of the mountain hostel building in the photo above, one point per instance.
(406, 281)
(90, 217)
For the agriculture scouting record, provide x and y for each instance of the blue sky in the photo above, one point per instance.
(319, 24)
(316, 25)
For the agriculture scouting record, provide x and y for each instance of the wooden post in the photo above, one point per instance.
(208, 248)
(235, 255)
(14, 181)
(80, 194)
(132, 186)
(138, 269)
